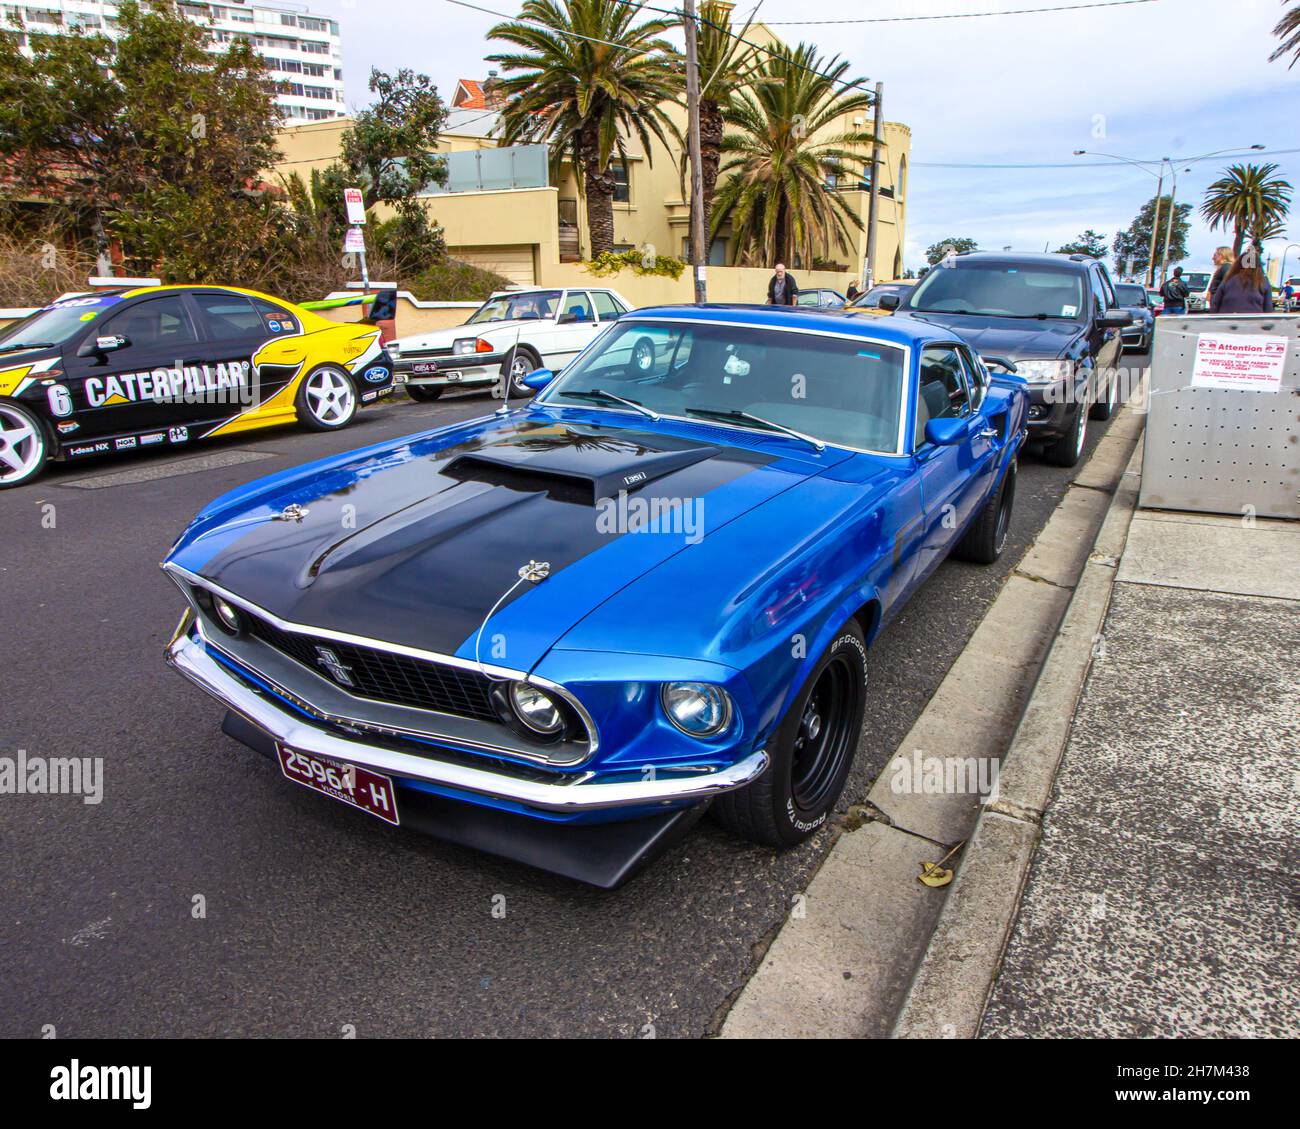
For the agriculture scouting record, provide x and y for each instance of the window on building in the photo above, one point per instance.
(622, 180)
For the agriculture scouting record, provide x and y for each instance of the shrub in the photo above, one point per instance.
(611, 262)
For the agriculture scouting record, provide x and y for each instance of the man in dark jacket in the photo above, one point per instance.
(1175, 293)
(782, 290)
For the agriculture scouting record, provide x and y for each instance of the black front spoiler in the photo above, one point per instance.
(599, 854)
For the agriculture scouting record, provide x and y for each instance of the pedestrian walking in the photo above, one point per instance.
(1175, 292)
(1223, 260)
(782, 290)
(1245, 289)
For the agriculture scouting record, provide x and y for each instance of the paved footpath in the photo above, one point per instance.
(1162, 898)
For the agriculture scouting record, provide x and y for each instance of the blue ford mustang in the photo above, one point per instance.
(561, 631)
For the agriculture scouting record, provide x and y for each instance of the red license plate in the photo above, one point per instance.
(357, 787)
(423, 367)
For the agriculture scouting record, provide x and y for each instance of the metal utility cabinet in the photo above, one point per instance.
(1223, 429)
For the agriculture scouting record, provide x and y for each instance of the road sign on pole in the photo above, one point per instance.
(355, 204)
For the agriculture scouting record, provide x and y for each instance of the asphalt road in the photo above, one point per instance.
(207, 896)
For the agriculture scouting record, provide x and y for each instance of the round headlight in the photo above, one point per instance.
(535, 709)
(227, 615)
(696, 708)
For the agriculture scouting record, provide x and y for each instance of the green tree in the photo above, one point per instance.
(1288, 31)
(1090, 243)
(154, 140)
(937, 252)
(1249, 199)
(725, 64)
(1135, 240)
(569, 86)
(388, 152)
(786, 140)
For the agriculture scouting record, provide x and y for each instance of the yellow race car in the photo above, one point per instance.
(119, 370)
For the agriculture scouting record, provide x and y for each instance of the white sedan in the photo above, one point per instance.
(506, 338)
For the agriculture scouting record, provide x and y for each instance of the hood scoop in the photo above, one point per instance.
(573, 466)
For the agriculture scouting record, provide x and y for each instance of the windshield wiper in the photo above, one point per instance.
(601, 396)
(26, 345)
(734, 413)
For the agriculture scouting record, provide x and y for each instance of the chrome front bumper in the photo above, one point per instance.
(578, 793)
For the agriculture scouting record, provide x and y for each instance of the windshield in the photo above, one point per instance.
(508, 307)
(1197, 280)
(871, 299)
(843, 391)
(1001, 290)
(57, 323)
(1130, 295)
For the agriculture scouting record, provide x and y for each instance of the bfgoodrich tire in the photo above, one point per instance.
(812, 752)
(987, 537)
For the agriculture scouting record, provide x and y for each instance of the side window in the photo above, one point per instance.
(577, 307)
(943, 390)
(156, 322)
(275, 321)
(1105, 293)
(229, 316)
(606, 308)
(977, 377)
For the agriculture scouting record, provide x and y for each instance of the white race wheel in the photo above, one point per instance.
(327, 400)
(23, 447)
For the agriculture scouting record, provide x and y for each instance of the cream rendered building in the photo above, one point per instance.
(502, 210)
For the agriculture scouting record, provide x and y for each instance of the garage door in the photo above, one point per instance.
(515, 263)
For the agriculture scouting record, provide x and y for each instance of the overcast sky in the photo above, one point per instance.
(1142, 80)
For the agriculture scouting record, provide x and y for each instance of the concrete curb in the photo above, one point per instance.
(842, 964)
(952, 984)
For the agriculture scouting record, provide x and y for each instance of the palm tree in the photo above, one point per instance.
(569, 86)
(787, 139)
(1248, 198)
(1288, 30)
(725, 63)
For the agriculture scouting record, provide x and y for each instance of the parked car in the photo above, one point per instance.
(870, 301)
(1055, 316)
(822, 299)
(121, 370)
(506, 338)
(557, 633)
(1156, 301)
(1198, 286)
(1136, 299)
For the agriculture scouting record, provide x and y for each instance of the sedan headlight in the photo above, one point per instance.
(1045, 372)
(394, 349)
(468, 345)
(535, 709)
(698, 709)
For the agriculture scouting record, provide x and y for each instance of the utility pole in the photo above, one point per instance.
(1155, 226)
(1169, 221)
(874, 205)
(699, 252)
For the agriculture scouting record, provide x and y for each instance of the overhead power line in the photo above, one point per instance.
(959, 15)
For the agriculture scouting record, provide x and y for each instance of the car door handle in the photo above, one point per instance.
(989, 433)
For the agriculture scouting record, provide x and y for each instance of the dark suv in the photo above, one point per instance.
(1055, 316)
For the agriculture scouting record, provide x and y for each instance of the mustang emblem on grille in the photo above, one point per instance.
(331, 662)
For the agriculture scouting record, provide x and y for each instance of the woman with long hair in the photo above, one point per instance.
(1245, 289)
(1223, 260)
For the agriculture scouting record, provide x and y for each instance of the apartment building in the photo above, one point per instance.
(301, 50)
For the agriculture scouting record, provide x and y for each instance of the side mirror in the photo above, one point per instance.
(539, 378)
(1116, 319)
(946, 431)
(1001, 362)
(98, 346)
(888, 302)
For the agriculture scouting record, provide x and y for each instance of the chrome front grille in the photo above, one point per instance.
(383, 676)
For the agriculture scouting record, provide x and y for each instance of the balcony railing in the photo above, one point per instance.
(495, 170)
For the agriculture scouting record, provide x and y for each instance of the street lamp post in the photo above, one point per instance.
(1173, 196)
